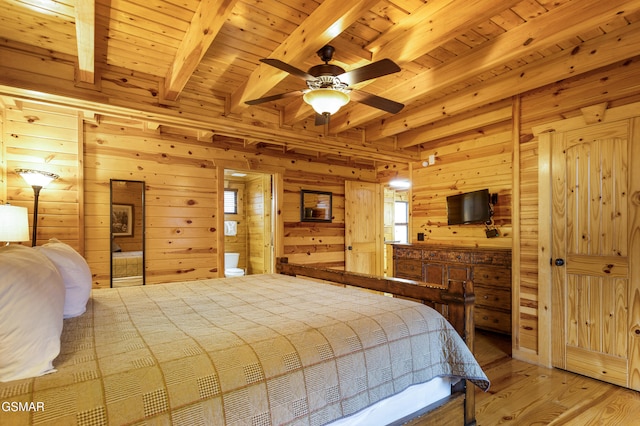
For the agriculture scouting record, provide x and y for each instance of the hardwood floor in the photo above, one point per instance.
(526, 394)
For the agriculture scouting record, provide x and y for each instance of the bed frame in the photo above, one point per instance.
(454, 302)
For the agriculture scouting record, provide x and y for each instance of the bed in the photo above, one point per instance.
(260, 349)
(126, 269)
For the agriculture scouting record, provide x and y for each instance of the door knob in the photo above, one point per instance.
(349, 248)
(559, 262)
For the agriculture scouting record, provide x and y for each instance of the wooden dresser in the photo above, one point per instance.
(489, 269)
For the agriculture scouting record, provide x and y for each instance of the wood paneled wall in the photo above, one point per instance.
(181, 193)
(467, 163)
(180, 200)
(321, 243)
(45, 138)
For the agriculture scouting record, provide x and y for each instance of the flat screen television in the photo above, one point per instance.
(470, 207)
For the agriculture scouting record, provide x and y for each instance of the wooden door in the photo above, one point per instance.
(590, 279)
(363, 227)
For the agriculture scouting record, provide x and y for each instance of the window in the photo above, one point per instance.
(230, 201)
(401, 222)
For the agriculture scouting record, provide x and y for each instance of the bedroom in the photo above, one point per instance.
(123, 121)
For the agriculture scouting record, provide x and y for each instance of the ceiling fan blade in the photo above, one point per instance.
(276, 63)
(273, 98)
(367, 72)
(376, 101)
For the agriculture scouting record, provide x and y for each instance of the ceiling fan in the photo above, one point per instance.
(328, 85)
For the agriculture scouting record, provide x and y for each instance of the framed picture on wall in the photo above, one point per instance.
(122, 220)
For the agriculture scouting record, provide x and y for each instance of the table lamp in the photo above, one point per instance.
(14, 223)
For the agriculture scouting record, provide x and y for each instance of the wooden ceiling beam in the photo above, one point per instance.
(540, 33)
(433, 25)
(204, 27)
(588, 56)
(328, 21)
(486, 117)
(437, 23)
(85, 11)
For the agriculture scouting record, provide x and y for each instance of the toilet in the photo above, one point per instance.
(231, 265)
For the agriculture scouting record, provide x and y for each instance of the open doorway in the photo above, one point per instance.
(248, 222)
(396, 223)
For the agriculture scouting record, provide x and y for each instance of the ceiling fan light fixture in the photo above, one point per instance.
(326, 100)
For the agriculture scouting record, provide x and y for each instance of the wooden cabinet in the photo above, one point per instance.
(489, 269)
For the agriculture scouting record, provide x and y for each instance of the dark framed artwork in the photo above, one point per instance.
(122, 220)
(315, 206)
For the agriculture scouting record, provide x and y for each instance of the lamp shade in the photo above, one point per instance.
(36, 177)
(325, 100)
(14, 223)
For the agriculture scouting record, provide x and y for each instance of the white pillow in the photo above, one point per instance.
(31, 305)
(75, 274)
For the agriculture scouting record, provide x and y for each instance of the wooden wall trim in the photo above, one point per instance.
(613, 114)
(220, 221)
(545, 243)
(80, 184)
(634, 249)
(516, 110)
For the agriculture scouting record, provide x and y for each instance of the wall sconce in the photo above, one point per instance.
(38, 180)
(14, 223)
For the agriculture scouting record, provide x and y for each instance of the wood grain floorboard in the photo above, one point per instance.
(527, 394)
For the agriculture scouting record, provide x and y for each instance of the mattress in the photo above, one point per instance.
(126, 264)
(259, 349)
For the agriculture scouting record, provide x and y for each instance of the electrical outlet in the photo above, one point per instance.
(492, 233)
(420, 236)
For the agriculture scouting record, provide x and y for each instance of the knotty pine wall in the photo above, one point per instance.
(309, 242)
(44, 138)
(181, 190)
(463, 164)
(180, 200)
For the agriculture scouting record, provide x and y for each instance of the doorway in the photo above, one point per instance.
(248, 230)
(396, 223)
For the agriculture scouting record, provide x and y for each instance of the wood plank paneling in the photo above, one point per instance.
(44, 138)
(471, 163)
(180, 201)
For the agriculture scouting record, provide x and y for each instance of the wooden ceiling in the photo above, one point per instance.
(462, 61)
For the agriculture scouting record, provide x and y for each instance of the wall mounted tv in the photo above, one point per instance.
(470, 207)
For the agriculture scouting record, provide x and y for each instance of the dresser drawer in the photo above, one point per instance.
(492, 257)
(407, 253)
(446, 255)
(493, 297)
(492, 276)
(409, 269)
(488, 319)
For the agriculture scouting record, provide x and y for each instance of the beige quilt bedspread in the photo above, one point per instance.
(259, 350)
